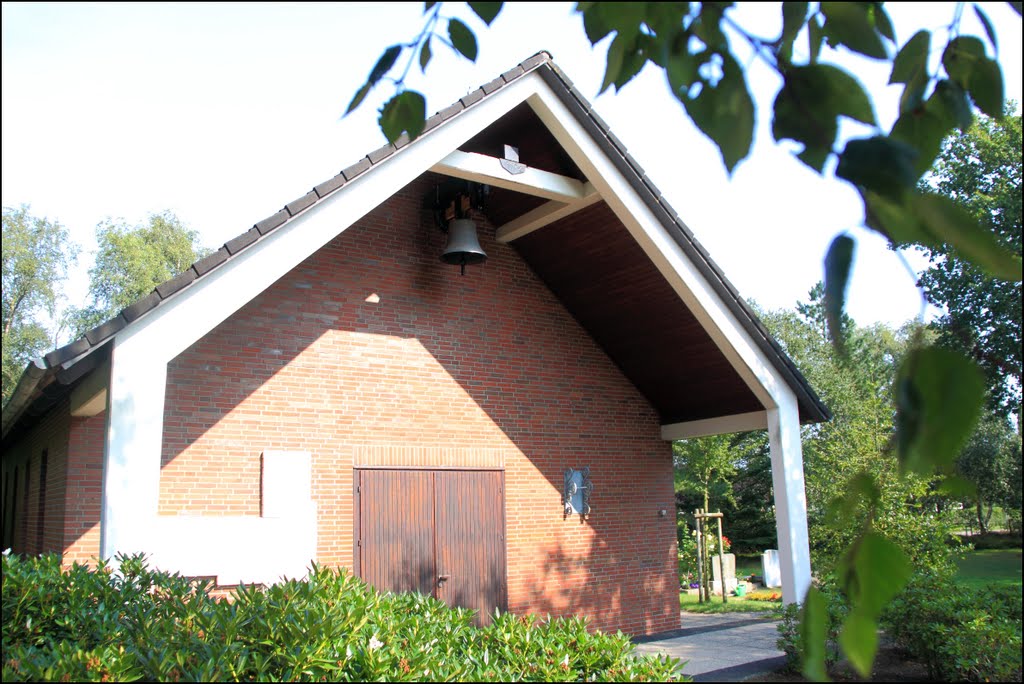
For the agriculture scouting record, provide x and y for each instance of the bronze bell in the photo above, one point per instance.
(463, 247)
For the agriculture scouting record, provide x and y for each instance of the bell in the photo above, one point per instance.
(463, 247)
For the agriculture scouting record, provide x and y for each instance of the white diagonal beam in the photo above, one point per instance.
(480, 168)
(543, 215)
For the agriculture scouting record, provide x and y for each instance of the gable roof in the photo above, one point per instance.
(46, 381)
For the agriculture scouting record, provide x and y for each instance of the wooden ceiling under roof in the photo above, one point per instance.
(606, 281)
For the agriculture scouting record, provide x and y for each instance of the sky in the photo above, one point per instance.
(223, 113)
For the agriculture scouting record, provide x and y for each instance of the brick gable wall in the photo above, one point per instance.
(373, 349)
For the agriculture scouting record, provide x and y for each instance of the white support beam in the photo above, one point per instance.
(543, 215)
(790, 499)
(723, 425)
(480, 168)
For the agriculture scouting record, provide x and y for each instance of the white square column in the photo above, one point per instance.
(790, 499)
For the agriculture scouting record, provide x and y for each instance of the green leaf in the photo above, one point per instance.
(987, 25)
(880, 163)
(813, 632)
(462, 39)
(912, 60)
(859, 641)
(794, 15)
(838, 261)
(358, 98)
(952, 224)
(808, 105)
(874, 574)
(486, 10)
(425, 55)
(957, 487)
(384, 64)
(725, 113)
(925, 127)
(850, 24)
(965, 61)
(860, 488)
(613, 62)
(882, 21)
(939, 397)
(681, 72)
(601, 18)
(405, 112)
(950, 102)
(594, 24)
(815, 39)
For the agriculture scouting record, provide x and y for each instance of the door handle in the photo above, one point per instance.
(441, 579)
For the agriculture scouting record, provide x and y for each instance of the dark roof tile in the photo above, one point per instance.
(491, 86)
(169, 287)
(67, 352)
(381, 153)
(211, 261)
(236, 245)
(560, 74)
(271, 222)
(140, 307)
(472, 98)
(105, 330)
(402, 141)
(356, 169)
(451, 110)
(513, 73)
(433, 122)
(329, 186)
(535, 61)
(295, 206)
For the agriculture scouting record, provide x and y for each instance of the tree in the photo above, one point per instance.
(991, 463)
(130, 262)
(852, 478)
(980, 170)
(938, 392)
(36, 255)
(703, 465)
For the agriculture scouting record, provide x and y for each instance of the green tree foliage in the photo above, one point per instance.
(36, 255)
(130, 262)
(853, 479)
(991, 463)
(980, 170)
(704, 467)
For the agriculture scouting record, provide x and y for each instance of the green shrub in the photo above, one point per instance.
(959, 635)
(789, 629)
(138, 624)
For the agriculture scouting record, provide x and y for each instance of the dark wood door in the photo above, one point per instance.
(438, 532)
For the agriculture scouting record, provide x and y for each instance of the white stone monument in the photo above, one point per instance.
(770, 568)
(729, 561)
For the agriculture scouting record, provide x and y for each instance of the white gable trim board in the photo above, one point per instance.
(142, 350)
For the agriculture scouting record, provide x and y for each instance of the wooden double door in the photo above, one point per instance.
(437, 532)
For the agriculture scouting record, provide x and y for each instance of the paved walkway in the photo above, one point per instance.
(726, 647)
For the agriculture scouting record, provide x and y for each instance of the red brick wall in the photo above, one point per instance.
(74, 474)
(38, 526)
(84, 489)
(440, 365)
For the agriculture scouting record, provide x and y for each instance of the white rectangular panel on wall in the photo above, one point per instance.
(286, 484)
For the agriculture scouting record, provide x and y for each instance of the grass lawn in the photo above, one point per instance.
(736, 604)
(978, 568)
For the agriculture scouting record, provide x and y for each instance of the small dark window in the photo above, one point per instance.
(41, 510)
